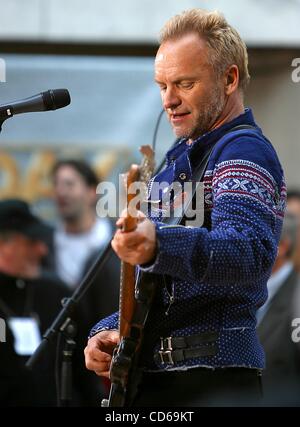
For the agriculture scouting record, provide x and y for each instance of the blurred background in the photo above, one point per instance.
(103, 53)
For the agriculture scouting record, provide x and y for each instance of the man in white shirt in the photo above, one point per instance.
(80, 233)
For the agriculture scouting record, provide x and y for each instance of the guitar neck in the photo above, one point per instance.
(127, 280)
(124, 382)
(127, 300)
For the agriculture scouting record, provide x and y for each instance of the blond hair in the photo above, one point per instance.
(225, 44)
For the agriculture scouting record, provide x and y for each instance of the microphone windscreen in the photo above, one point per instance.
(56, 98)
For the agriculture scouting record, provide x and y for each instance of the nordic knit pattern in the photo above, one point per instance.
(217, 273)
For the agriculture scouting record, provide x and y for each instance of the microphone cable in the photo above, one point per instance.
(156, 129)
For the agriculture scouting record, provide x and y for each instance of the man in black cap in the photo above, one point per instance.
(29, 302)
(22, 239)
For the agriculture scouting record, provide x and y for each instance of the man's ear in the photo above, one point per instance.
(232, 78)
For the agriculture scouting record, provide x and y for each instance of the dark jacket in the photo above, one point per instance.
(281, 379)
(19, 386)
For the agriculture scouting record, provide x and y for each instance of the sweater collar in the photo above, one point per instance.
(212, 136)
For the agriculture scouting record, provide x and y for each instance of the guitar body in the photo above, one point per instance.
(124, 372)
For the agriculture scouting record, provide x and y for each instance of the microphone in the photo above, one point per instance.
(50, 100)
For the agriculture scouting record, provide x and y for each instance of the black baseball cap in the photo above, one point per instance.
(16, 216)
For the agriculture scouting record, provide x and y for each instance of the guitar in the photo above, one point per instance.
(133, 306)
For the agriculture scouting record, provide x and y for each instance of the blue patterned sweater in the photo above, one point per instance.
(217, 273)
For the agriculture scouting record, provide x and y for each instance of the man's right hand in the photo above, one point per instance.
(99, 350)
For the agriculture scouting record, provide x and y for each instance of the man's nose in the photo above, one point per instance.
(171, 100)
(60, 188)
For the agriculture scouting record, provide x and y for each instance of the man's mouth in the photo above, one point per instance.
(63, 203)
(178, 117)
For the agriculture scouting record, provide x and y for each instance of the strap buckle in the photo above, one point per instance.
(166, 353)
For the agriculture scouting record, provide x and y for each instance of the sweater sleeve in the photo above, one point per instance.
(246, 221)
(108, 323)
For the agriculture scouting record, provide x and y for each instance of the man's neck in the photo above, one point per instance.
(80, 225)
(234, 107)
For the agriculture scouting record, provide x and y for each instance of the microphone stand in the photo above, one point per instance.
(65, 325)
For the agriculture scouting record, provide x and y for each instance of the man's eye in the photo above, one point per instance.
(187, 85)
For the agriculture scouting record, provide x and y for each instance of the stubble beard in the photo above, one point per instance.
(209, 114)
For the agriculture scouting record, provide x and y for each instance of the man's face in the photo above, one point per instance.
(71, 193)
(22, 256)
(191, 94)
